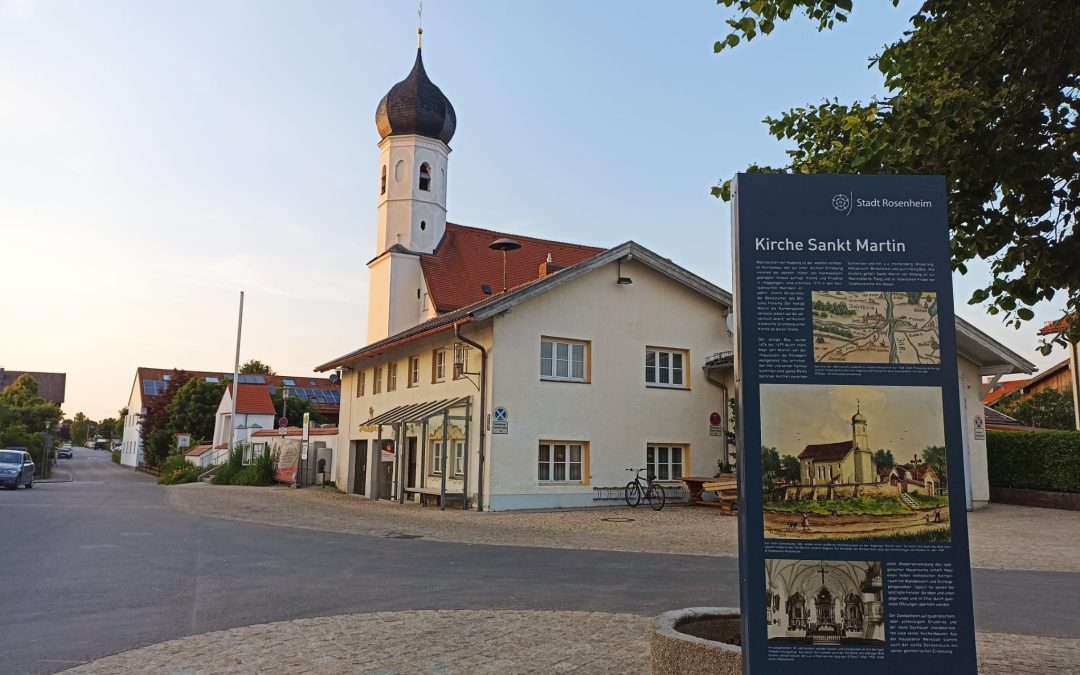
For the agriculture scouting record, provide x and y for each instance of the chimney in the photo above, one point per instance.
(547, 267)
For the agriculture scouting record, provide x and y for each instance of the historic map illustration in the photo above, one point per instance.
(875, 327)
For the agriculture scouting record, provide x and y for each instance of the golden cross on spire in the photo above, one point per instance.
(420, 25)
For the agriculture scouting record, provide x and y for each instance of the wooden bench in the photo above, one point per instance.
(725, 487)
(427, 493)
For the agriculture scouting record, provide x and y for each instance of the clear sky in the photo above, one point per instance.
(902, 419)
(158, 157)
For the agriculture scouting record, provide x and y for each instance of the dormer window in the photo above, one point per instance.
(382, 188)
(425, 177)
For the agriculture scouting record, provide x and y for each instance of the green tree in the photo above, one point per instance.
(109, 428)
(1049, 409)
(296, 409)
(194, 407)
(24, 417)
(987, 97)
(883, 459)
(154, 426)
(770, 467)
(256, 367)
(80, 429)
(934, 455)
(791, 468)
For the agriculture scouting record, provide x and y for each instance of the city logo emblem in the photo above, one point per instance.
(842, 202)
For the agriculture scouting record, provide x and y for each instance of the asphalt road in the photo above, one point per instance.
(102, 564)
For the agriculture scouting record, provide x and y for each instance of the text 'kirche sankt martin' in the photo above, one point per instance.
(837, 245)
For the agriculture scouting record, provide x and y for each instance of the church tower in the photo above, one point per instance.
(860, 446)
(415, 123)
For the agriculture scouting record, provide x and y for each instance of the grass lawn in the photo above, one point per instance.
(929, 534)
(928, 501)
(878, 506)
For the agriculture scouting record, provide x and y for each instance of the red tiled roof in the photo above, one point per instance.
(51, 386)
(1002, 390)
(253, 399)
(1056, 327)
(826, 452)
(198, 450)
(463, 263)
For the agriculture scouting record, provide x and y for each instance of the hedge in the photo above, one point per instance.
(1037, 460)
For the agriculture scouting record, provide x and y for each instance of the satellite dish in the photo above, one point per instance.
(335, 378)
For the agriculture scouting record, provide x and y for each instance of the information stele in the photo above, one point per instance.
(850, 559)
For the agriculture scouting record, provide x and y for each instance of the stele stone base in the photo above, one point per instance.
(697, 640)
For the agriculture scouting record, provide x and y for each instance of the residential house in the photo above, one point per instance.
(323, 394)
(254, 412)
(505, 371)
(51, 386)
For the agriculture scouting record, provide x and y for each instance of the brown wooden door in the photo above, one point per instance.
(410, 478)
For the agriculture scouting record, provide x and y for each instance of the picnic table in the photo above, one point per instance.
(724, 486)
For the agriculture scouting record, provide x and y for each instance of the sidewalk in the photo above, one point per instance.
(1002, 536)
(477, 642)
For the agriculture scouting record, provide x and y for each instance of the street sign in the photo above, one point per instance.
(307, 427)
(303, 450)
(500, 420)
(715, 419)
(283, 422)
(500, 414)
(716, 430)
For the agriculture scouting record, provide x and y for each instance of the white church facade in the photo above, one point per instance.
(503, 371)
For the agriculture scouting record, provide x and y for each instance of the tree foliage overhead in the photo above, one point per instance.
(24, 417)
(194, 408)
(256, 367)
(989, 97)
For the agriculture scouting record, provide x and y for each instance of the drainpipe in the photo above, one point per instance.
(483, 413)
(724, 414)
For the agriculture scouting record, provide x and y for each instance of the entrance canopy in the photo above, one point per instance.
(416, 412)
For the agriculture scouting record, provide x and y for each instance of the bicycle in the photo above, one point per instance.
(648, 489)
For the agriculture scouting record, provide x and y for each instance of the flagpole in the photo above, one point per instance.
(235, 378)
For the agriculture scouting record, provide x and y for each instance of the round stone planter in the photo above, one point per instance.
(697, 640)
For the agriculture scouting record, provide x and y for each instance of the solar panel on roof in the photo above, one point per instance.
(251, 379)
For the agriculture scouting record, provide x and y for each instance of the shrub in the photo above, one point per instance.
(261, 472)
(1037, 460)
(116, 456)
(225, 474)
(176, 469)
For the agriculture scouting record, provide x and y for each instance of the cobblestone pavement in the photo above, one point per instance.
(1002, 536)
(478, 642)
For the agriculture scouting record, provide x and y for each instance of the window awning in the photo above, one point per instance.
(416, 412)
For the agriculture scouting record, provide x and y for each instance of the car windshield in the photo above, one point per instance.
(10, 457)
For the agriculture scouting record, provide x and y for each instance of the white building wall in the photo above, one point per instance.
(131, 443)
(404, 206)
(396, 276)
(357, 409)
(615, 413)
(971, 406)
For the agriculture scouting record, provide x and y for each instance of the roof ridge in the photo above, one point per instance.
(522, 236)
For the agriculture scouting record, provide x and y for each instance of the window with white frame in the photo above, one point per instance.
(563, 359)
(376, 381)
(253, 451)
(459, 458)
(391, 377)
(438, 365)
(461, 364)
(665, 462)
(436, 457)
(560, 462)
(665, 367)
(414, 371)
(361, 376)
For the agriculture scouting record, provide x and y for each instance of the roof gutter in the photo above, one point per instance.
(483, 413)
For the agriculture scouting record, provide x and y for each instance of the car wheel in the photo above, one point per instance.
(31, 483)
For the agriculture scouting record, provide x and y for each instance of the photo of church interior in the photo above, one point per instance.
(824, 602)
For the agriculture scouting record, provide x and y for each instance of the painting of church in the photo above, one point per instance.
(842, 463)
(824, 602)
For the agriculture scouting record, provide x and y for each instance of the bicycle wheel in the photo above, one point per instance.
(656, 497)
(632, 493)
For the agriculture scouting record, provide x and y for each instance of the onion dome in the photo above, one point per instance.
(416, 106)
(858, 417)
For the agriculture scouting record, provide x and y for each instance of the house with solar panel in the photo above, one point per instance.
(506, 371)
(323, 394)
